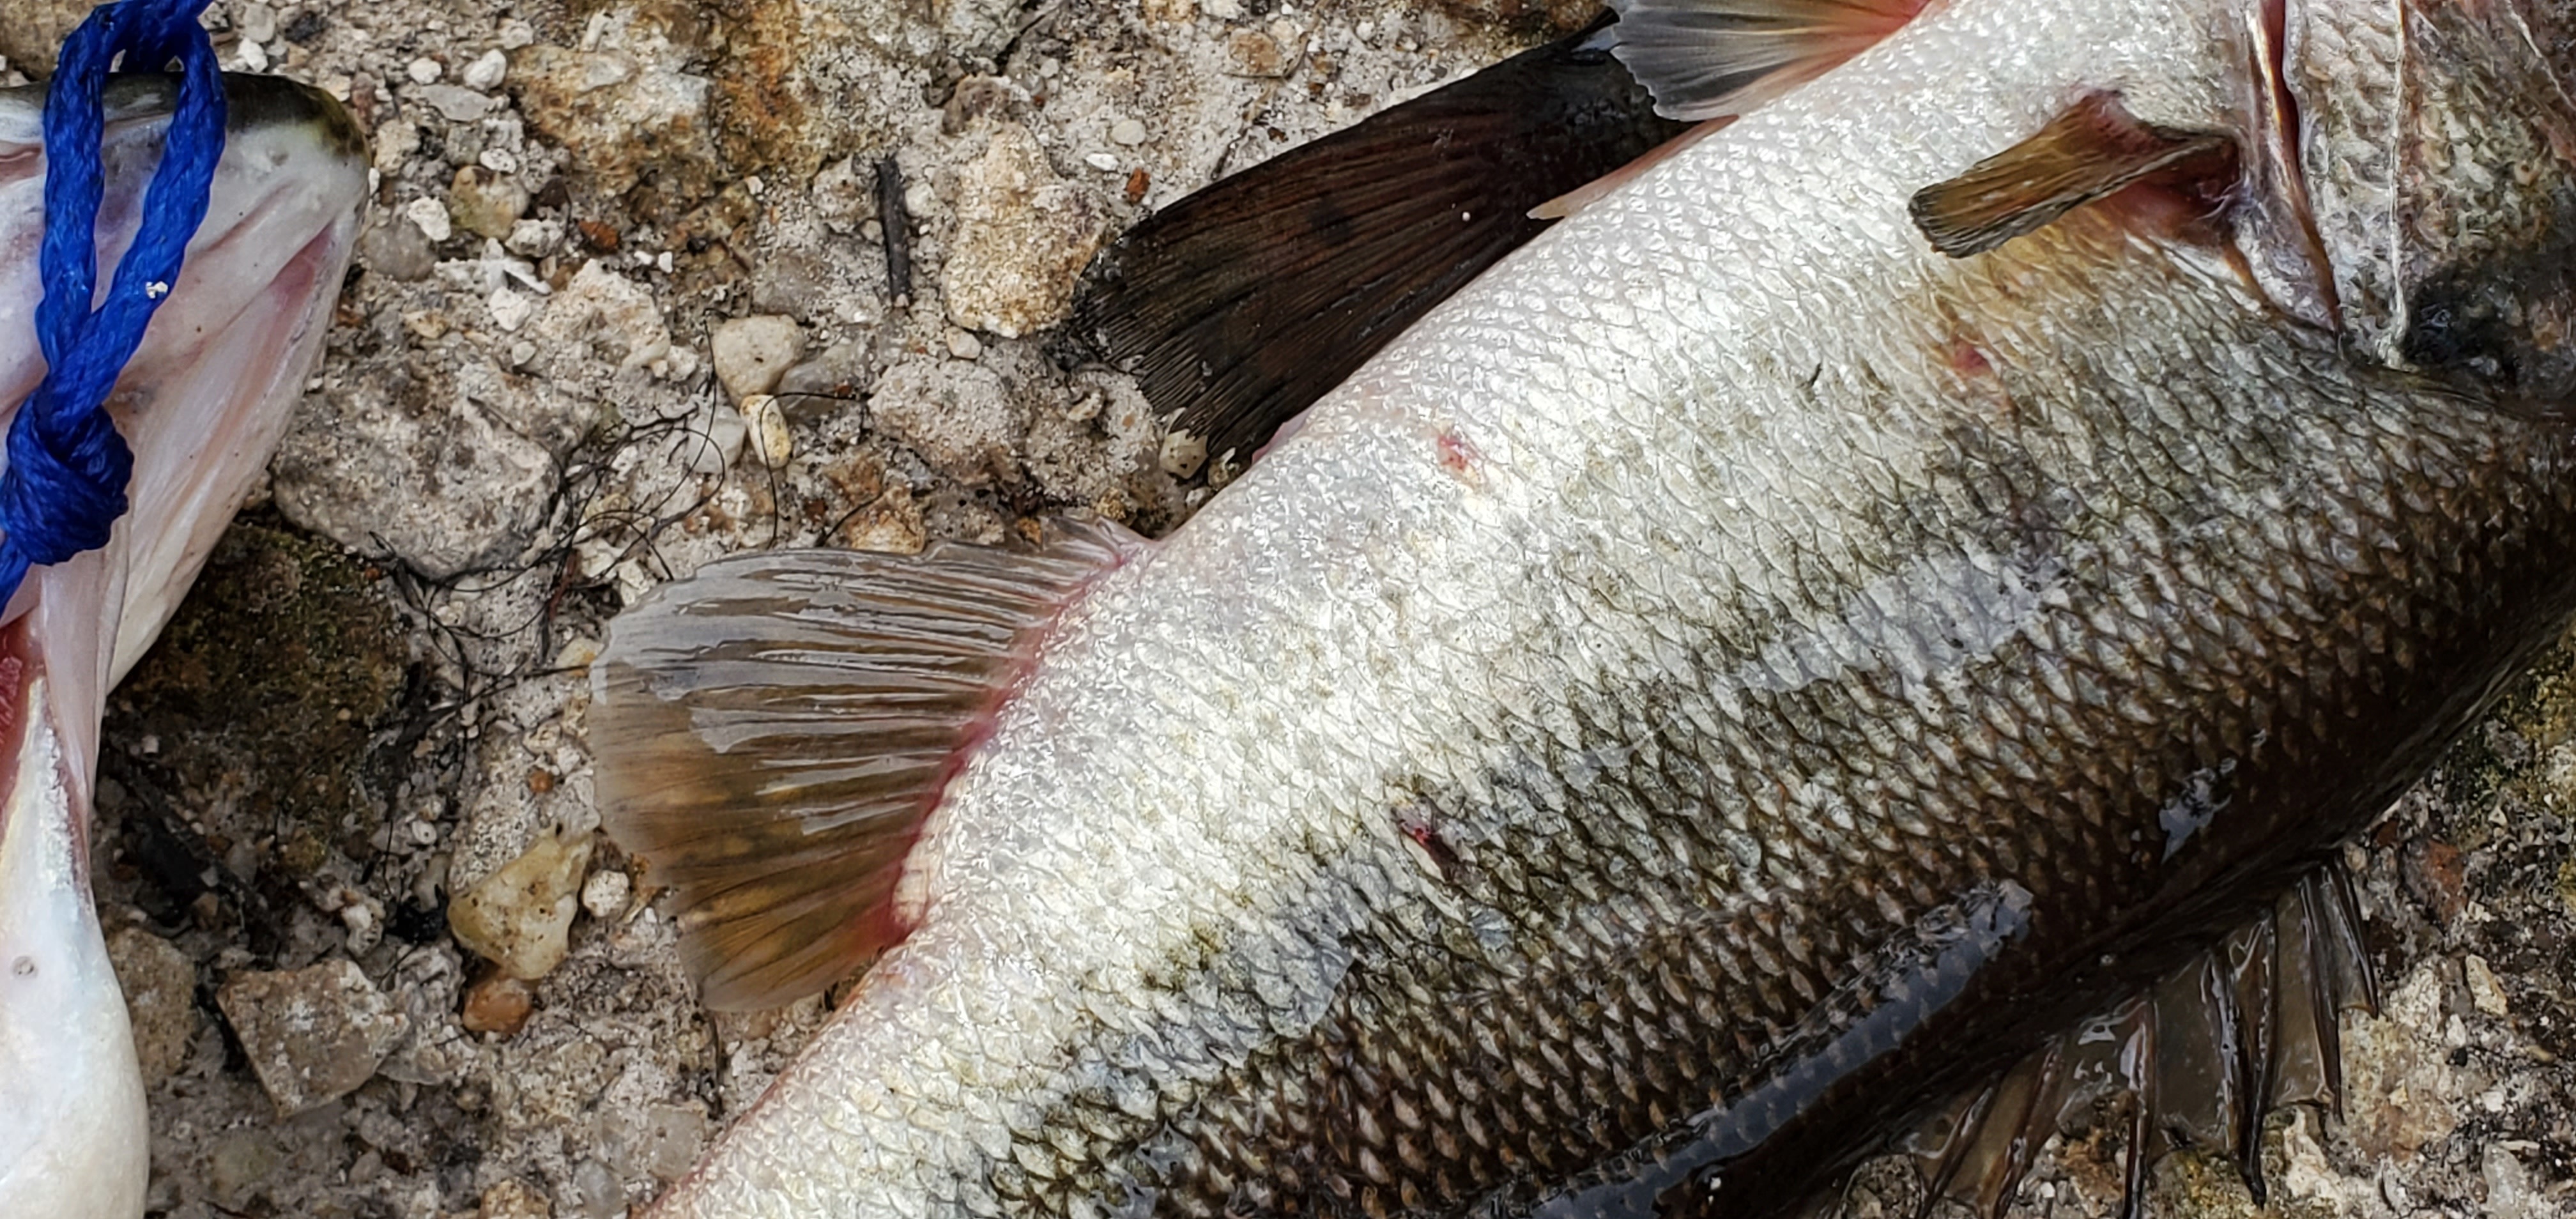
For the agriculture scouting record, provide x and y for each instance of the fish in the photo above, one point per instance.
(1868, 632)
(203, 402)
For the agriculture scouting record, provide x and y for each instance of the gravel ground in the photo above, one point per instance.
(624, 307)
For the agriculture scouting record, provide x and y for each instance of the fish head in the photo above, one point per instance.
(202, 404)
(2437, 139)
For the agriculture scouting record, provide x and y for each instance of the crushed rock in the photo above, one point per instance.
(312, 1035)
(1024, 236)
(160, 984)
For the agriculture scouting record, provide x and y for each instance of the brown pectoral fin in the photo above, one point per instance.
(2090, 151)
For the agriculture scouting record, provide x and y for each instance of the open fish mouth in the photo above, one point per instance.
(202, 404)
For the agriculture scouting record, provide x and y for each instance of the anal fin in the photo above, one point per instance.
(2198, 1058)
(2091, 151)
(770, 733)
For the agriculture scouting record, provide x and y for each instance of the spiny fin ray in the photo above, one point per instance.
(1705, 59)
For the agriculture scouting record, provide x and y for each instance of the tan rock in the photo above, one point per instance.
(1023, 237)
(752, 353)
(498, 1004)
(520, 916)
(312, 1035)
(160, 984)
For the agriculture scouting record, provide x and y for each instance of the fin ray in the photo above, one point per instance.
(771, 732)
(1706, 59)
(2199, 1057)
(2090, 151)
(1241, 304)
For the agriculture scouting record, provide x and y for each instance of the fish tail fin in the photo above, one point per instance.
(771, 732)
(1241, 304)
(2199, 1058)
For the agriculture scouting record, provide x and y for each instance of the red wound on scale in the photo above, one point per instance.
(771, 733)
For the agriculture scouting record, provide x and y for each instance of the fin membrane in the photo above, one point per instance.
(771, 732)
(2200, 1058)
(1705, 59)
(1243, 303)
(2092, 150)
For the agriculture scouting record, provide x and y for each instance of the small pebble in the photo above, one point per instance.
(513, 1200)
(534, 238)
(604, 894)
(1101, 161)
(516, 33)
(424, 71)
(430, 217)
(964, 345)
(1254, 53)
(498, 160)
(575, 655)
(498, 1004)
(511, 309)
(258, 22)
(398, 251)
(751, 353)
(520, 916)
(160, 984)
(485, 203)
(1127, 132)
(2484, 990)
(602, 1196)
(486, 72)
(771, 440)
(1182, 454)
(457, 104)
(364, 922)
(712, 441)
(252, 56)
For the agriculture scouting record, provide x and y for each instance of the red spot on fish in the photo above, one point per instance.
(1457, 455)
(1967, 361)
(1417, 827)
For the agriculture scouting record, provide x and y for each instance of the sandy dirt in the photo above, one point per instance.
(624, 307)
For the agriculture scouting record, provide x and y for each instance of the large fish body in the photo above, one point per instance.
(202, 404)
(1732, 673)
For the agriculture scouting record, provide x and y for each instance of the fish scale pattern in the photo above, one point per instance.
(2108, 644)
(1727, 679)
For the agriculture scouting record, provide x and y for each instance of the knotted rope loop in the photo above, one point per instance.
(65, 482)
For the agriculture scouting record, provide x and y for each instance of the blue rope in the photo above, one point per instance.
(65, 483)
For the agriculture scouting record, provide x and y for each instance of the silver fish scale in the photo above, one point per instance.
(1712, 675)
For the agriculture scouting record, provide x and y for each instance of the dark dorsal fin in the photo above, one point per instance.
(2091, 150)
(2200, 1057)
(770, 733)
(1705, 59)
(1241, 304)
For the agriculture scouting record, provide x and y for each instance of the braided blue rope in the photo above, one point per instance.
(65, 483)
